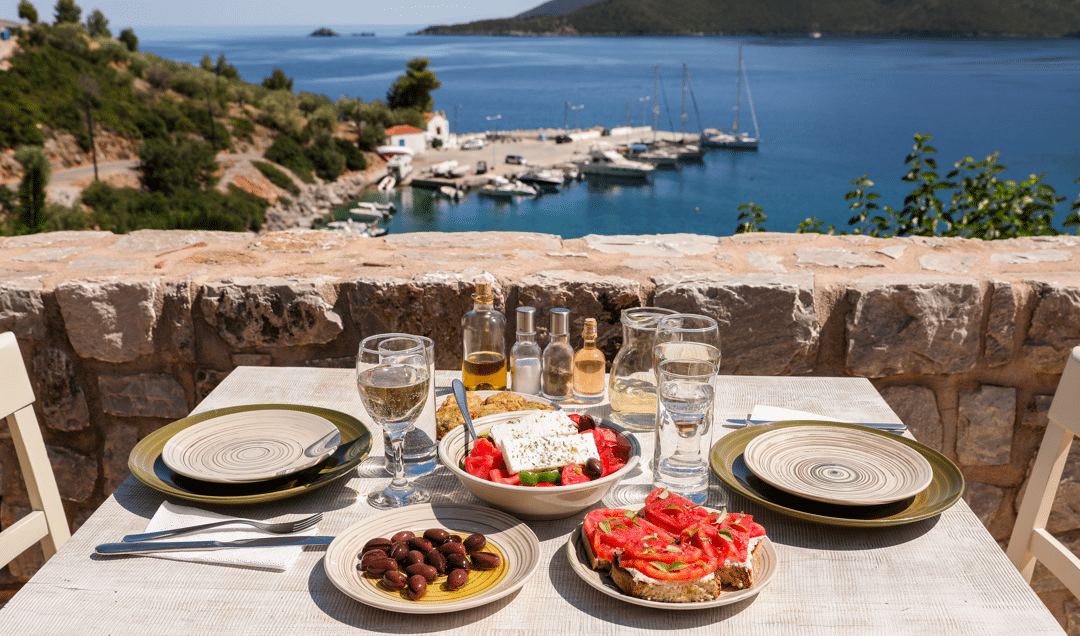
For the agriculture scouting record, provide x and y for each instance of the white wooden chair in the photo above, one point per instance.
(46, 522)
(1030, 541)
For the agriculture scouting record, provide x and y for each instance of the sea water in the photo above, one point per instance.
(829, 110)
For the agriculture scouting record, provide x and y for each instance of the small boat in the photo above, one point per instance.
(387, 183)
(509, 190)
(548, 180)
(391, 151)
(689, 152)
(659, 158)
(355, 227)
(444, 169)
(608, 163)
(399, 166)
(373, 209)
(735, 140)
(451, 192)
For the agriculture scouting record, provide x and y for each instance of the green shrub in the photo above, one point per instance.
(123, 210)
(325, 158)
(278, 81)
(287, 152)
(128, 37)
(168, 167)
(354, 159)
(243, 129)
(277, 177)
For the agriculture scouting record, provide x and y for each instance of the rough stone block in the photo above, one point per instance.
(985, 427)
(272, 312)
(76, 474)
(657, 245)
(984, 499)
(205, 382)
(144, 395)
(1055, 326)
(118, 444)
(111, 320)
(177, 317)
(22, 311)
(586, 295)
(1038, 415)
(917, 407)
(1001, 326)
(62, 400)
(768, 322)
(948, 263)
(428, 305)
(913, 324)
(832, 257)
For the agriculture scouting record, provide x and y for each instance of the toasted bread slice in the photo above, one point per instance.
(691, 591)
(741, 576)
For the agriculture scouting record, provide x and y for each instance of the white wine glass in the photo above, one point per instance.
(392, 378)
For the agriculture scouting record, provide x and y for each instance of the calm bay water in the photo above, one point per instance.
(829, 111)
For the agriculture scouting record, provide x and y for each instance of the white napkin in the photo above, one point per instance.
(170, 516)
(764, 414)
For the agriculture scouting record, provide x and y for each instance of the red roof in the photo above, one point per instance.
(430, 116)
(402, 130)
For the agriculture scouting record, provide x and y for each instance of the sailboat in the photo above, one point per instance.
(688, 152)
(734, 139)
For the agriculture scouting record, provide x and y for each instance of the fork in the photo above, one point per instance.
(283, 527)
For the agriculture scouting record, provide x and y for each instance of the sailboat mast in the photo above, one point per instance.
(684, 100)
(738, 92)
(655, 101)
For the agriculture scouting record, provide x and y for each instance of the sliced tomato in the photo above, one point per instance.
(666, 560)
(483, 446)
(604, 437)
(499, 476)
(544, 484)
(707, 537)
(573, 474)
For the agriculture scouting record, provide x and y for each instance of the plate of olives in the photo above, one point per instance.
(429, 559)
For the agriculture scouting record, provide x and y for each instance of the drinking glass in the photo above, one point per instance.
(687, 328)
(393, 379)
(421, 451)
(683, 427)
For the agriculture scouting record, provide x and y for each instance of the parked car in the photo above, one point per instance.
(481, 167)
(563, 139)
(472, 144)
(518, 159)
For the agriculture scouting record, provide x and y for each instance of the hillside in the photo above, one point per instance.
(1048, 18)
(556, 7)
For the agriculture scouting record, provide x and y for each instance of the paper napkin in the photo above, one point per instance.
(170, 515)
(763, 414)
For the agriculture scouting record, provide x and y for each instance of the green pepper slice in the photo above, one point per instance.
(550, 476)
(529, 478)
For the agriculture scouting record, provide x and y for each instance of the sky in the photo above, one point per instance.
(135, 13)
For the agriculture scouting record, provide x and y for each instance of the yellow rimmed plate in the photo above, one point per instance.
(147, 465)
(510, 538)
(945, 488)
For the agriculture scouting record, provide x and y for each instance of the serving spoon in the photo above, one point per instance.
(463, 406)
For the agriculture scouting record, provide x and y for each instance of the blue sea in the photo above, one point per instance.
(829, 111)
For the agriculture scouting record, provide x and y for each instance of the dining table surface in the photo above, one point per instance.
(941, 575)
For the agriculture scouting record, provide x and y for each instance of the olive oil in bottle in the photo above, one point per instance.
(558, 384)
(589, 367)
(483, 333)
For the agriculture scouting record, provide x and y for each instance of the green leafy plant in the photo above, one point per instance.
(287, 152)
(168, 167)
(277, 177)
(413, 89)
(753, 219)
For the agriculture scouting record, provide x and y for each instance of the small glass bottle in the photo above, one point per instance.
(483, 335)
(559, 358)
(589, 366)
(525, 364)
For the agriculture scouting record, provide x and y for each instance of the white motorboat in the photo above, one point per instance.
(659, 158)
(399, 166)
(509, 190)
(451, 192)
(550, 180)
(387, 183)
(608, 163)
(355, 227)
(373, 209)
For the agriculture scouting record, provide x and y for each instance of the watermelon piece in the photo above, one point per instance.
(573, 474)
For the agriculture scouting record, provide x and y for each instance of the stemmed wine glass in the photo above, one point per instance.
(392, 377)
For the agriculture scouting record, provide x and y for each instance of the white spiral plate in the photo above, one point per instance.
(838, 465)
(251, 446)
(511, 539)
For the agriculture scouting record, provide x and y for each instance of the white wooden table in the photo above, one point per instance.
(944, 575)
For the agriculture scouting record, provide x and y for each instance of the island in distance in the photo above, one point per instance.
(324, 33)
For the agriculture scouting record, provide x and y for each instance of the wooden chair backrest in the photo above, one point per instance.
(1030, 541)
(46, 523)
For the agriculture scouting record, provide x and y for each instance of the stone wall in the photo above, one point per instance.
(964, 339)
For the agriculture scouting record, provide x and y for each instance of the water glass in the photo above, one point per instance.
(420, 448)
(684, 427)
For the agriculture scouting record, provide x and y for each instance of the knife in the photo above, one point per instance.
(144, 547)
(882, 426)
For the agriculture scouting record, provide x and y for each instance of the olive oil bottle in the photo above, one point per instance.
(483, 333)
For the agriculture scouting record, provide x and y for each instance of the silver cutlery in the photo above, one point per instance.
(283, 527)
(463, 406)
(143, 547)
(881, 426)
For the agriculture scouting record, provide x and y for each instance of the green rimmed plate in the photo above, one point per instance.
(147, 466)
(946, 486)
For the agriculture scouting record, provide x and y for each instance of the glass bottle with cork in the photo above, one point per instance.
(525, 363)
(558, 384)
(483, 334)
(589, 366)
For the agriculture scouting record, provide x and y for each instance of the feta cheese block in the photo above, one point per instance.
(545, 453)
(535, 424)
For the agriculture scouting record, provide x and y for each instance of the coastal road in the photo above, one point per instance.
(69, 176)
